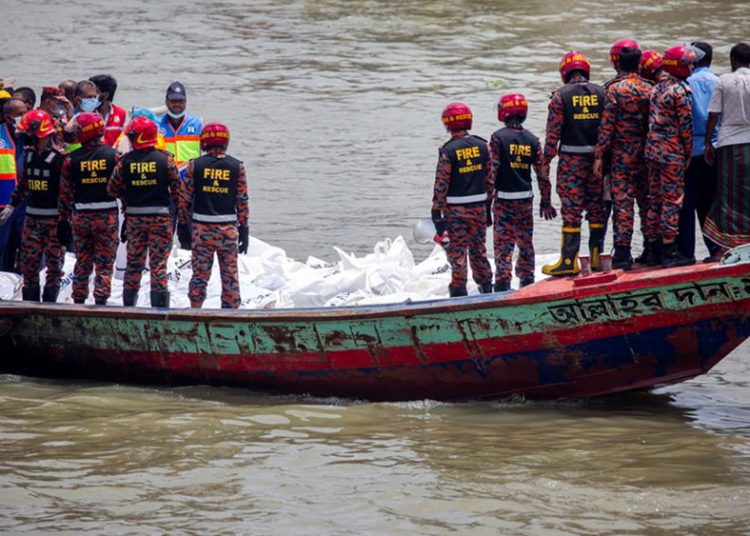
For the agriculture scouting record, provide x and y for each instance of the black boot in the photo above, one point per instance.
(621, 258)
(567, 264)
(596, 245)
(100, 301)
(160, 299)
(31, 293)
(485, 288)
(225, 305)
(129, 297)
(671, 257)
(50, 294)
(641, 259)
(456, 292)
(502, 286)
(79, 301)
(526, 281)
(653, 255)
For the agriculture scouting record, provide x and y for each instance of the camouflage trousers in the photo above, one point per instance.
(666, 189)
(39, 239)
(210, 238)
(513, 226)
(152, 236)
(579, 190)
(628, 183)
(467, 231)
(96, 241)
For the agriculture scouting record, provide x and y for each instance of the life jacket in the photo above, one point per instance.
(91, 167)
(8, 165)
(468, 156)
(215, 189)
(518, 153)
(115, 124)
(42, 174)
(583, 103)
(184, 143)
(145, 176)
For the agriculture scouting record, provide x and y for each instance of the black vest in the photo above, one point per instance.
(43, 178)
(583, 104)
(215, 189)
(145, 174)
(518, 150)
(468, 156)
(90, 170)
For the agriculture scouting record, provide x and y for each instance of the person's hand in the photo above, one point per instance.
(598, 168)
(547, 211)
(124, 230)
(5, 214)
(488, 209)
(709, 154)
(64, 232)
(183, 236)
(243, 239)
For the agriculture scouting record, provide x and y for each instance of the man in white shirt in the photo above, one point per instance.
(728, 223)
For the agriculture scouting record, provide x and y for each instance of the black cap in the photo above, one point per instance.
(176, 91)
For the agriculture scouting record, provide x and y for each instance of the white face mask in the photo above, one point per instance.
(16, 121)
(176, 116)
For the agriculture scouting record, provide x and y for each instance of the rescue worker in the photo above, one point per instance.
(84, 199)
(114, 117)
(572, 128)
(40, 182)
(146, 180)
(460, 203)
(669, 147)
(181, 130)
(11, 169)
(622, 135)
(214, 197)
(513, 152)
(652, 66)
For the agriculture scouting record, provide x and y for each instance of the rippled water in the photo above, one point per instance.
(334, 106)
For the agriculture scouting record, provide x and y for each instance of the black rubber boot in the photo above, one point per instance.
(50, 294)
(225, 305)
(502, 286)
(129, 297)
(596, 245)
(79, 301)
(621, 259)
(567, 264)
(641, 259)
(486, 288)
(100, 301)
(31, 293)
(653, 254)
(160, 299)
(456, 292)
(526, 281)
(671, 257)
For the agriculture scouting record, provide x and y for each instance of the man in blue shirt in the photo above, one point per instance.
(700, 177)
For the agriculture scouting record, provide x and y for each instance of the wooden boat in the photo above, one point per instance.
(573, 337)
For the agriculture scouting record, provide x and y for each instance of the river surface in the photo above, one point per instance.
(335, 108)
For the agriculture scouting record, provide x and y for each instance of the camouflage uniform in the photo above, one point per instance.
(622, 134)
(83, 195)
(668, 151)
(40, 239)
(218, 237)
(466, 222)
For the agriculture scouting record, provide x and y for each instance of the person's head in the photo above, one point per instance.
(142, 133)
(214, 136)
(107, 86)
(739, 56)
(680, 61)
(13, 110)
(629, 60)
(572, 64)
(176, 100)
(68, 88)
(512, 109)
(86, 96)
(90, 127)
(616, 49)
(27, 95)
(36, 128)
(651, 65)
(457, 117)
(708, 53)
(49, 101)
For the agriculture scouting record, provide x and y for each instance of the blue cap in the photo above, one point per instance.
(176, 91)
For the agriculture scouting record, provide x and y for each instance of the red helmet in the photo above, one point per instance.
(36, 123)
(510, 105)
(678, 60)
(617, 46)
(457, 116)
(142, 132)
(90, 126)
(214, 135)
(651, 62)
(574, 61)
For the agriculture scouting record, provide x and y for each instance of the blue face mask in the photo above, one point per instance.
(90, 104)
(176, 116)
